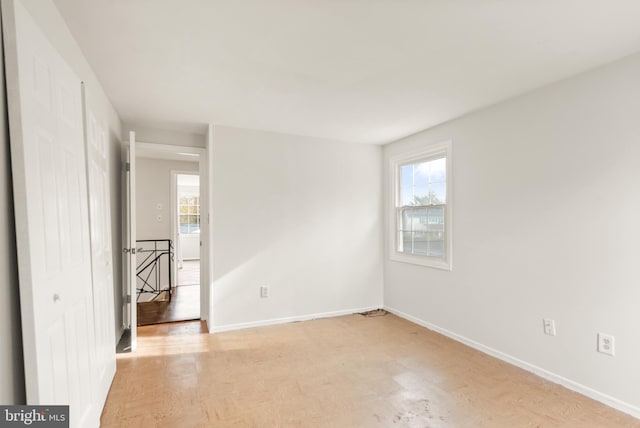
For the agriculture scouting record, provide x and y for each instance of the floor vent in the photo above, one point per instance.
(374, 313)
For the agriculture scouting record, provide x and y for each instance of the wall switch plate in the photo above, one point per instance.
(606, 344)
(549, 326)
(264, 291)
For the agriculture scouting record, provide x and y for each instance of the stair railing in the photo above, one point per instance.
(154, 253)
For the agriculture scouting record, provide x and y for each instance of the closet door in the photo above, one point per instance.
(52, 220)
(97, 144)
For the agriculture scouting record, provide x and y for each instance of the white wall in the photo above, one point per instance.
(12, 389)
(190, 247)
(46, 15)
(153, 186)
(546, 224)
(300, 215)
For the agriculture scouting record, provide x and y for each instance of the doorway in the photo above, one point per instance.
(154, 207)
(160, 291)
(168, 239)
(186, 223)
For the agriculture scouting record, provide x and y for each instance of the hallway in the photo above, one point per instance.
(185, 301)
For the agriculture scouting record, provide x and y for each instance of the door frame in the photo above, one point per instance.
(205, 235)
(129, 240)
(175, 233)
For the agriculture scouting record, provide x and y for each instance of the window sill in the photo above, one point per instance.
(426, 261)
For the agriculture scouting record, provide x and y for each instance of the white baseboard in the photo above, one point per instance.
(274, 321)
(567, 383)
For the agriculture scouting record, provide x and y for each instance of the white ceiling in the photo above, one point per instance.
(357, 70)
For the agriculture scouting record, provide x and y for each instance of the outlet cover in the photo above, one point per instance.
(264, 291)
(606, 344)
(549, 326)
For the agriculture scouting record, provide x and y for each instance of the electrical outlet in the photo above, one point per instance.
(159, 218)
(158, 206)
(549, 326)
(606, 344)
(264, 291)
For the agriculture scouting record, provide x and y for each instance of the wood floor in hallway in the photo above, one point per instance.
(184, 304)
(350, 371)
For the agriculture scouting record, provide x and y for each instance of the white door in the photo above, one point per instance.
(101, 257)
(129, 240)
(52, 220)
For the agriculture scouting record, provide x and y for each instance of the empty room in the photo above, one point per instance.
(320, 213)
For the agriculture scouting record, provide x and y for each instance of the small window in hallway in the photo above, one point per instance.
(189, 208)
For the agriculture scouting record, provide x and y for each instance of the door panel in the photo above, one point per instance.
(52, 220)
(58, 370)
(101, 255)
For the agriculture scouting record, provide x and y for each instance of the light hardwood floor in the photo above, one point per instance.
(349, 371)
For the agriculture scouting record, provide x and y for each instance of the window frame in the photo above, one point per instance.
(188, 214)
(424, 154)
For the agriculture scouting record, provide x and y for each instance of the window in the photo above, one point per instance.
(420, 214)
(189, 207)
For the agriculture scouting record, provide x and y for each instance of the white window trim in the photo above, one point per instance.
(443, 147)
(188, 206)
